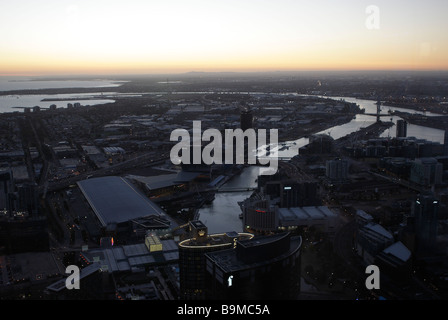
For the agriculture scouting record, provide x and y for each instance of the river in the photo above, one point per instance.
(427, 133)
(223, 214)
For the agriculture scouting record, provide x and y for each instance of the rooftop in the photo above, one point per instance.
(364, 215)
(115, 200)
(376, 228)
(306, 213)
(165, 180)
(219, 239)
(399, 250)
(85, 272)
(261, 250)
(128, 257)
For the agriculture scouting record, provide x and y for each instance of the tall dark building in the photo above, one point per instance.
(425, 210)
(292, 193)
(28, 198)
(259, 216)
(24, 234)
(378, 111)
(6, 188)
(318, 144)
(337, 170)
(262, 268)
(193, 285)
(246, 119)
(401, 128)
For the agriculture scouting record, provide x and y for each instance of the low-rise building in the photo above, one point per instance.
(371, 239)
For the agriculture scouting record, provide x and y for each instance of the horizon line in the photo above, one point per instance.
(130, 74)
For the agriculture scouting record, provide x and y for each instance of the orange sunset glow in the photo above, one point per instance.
(91, 37)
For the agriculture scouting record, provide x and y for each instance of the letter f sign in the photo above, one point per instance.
(229, 281)
(72, 281)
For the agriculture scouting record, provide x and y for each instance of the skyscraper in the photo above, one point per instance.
(265, 267)
(28, 199)
(259, 216)
(246, 119)
(425, 210)
(318, 144)
(337, 170)
(401, 128)
(6, 187)
(426, 172)
(378, 111)
(193, 285)
(292, 193)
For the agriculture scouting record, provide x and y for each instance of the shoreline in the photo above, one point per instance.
(428, 107)
(58, 91)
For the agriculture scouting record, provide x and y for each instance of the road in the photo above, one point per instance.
(343, 244)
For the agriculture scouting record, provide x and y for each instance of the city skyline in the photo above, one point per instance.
(140, 37)
(95, 207)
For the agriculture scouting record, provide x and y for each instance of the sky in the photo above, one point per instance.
(56, 37)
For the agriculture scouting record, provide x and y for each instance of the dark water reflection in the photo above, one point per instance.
(222, 214)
